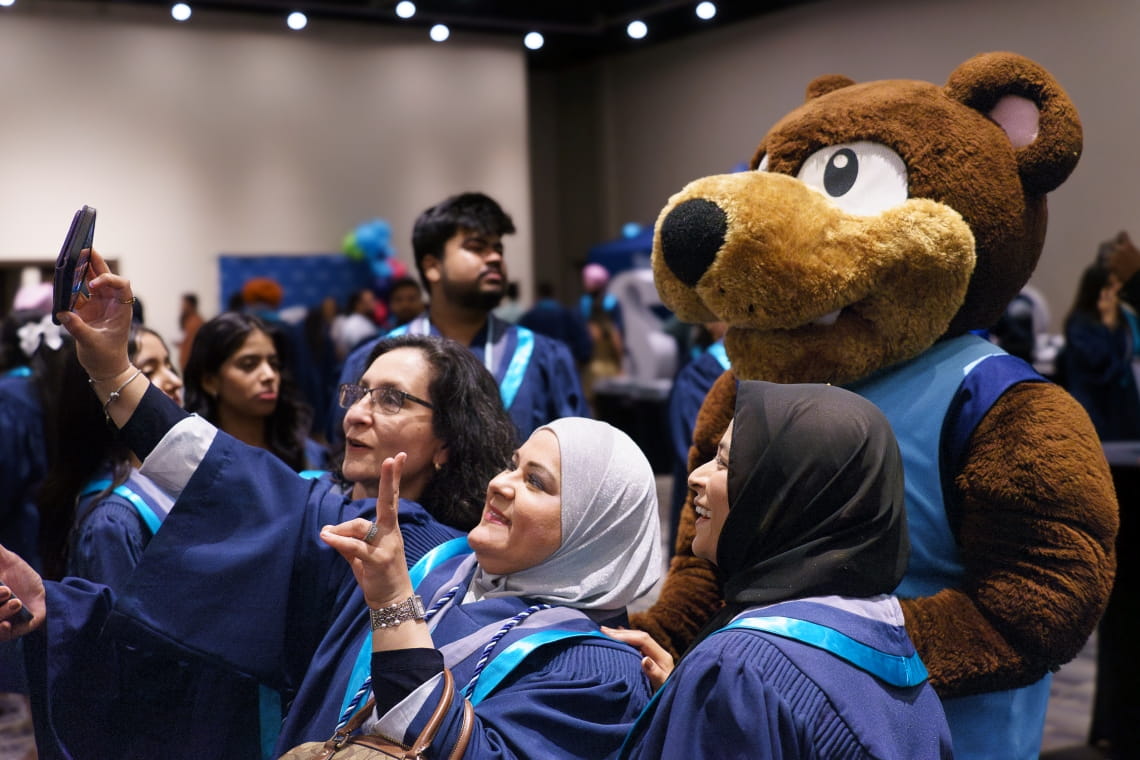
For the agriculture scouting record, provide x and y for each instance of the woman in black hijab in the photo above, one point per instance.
(802, 512)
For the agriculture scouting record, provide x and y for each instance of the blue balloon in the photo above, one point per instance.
(374, 239)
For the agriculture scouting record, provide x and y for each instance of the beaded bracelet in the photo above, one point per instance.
(113, 396)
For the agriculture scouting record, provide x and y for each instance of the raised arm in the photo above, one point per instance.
(101, 326)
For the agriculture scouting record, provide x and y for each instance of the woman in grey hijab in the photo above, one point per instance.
(570, 535)
(802, 512)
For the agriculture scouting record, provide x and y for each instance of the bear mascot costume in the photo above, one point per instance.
(880, 225)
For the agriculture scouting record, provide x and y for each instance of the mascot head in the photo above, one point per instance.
(876, 219)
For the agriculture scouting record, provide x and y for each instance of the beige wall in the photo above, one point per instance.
(698, 106)
(194, 140)
(206, 138)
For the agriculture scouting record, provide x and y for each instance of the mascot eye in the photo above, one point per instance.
(861, 178)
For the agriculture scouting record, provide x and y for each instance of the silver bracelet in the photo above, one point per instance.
(411, 608)
(113, 396)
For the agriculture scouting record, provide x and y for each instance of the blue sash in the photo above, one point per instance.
(506, 661)
(892, 668)
(716, 350)
(149, 516)
(512, 378)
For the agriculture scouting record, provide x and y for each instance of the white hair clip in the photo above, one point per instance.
(34, 333)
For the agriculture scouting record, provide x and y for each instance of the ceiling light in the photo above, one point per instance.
(637, 29)
(297, 21)
(533, 40)
(405, 9)
(439, 32)
(706, 10)
(7, 3)
(180, 11)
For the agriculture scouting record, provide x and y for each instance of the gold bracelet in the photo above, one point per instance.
(113, 396)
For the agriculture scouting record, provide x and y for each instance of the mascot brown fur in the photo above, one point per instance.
(880, 220)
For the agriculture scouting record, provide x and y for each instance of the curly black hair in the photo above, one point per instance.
(469, 418)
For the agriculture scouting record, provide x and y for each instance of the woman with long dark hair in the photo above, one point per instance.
(97, 511)
(235, 378)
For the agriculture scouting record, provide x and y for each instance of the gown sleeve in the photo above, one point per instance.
(238, 571)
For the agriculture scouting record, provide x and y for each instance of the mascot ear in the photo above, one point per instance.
(827, 83)
(817, 87)
(1031, 108)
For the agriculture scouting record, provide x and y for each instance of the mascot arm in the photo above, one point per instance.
(1037, 540)
(691, 594)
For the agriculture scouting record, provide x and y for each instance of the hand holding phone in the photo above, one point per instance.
(70, 281)
(23, 616)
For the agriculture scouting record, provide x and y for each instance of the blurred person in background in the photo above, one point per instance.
(235, 379)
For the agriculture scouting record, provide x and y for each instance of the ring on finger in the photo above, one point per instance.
(371, 534)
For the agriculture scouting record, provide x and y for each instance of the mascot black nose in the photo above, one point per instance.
(691, 236)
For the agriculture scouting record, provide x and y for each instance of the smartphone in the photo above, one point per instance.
(70, 281)
(23, 616)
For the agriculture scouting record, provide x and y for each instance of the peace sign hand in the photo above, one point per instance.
(375, 550)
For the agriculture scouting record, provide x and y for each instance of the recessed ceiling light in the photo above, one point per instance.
(706, 10)
(637, 29)
(439, 32)
(405, 9)
(297, 21)
(534, 40)
(180, 11)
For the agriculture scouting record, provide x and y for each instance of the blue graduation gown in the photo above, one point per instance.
(549, 317)
(549, 388)
(1097, 372)
(23, 464)
(574, 698)
(238, 578)
(743, 694)
(110, 534)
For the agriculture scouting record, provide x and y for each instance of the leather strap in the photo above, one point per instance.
(464, 731)
(427, 735)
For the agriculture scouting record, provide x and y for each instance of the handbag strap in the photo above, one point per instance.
(431, 728)
(427, 736)
(464, 731)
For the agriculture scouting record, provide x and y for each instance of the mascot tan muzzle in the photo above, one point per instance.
(798, 279)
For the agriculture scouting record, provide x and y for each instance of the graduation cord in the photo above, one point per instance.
(367, 685)
(486, 656)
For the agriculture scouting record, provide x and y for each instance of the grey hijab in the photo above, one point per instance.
(611, 530)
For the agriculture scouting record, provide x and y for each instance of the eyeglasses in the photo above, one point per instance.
(385, 398)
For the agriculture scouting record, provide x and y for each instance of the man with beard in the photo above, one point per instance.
(458, 247)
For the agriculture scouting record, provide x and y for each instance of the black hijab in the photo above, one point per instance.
(815, 491)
